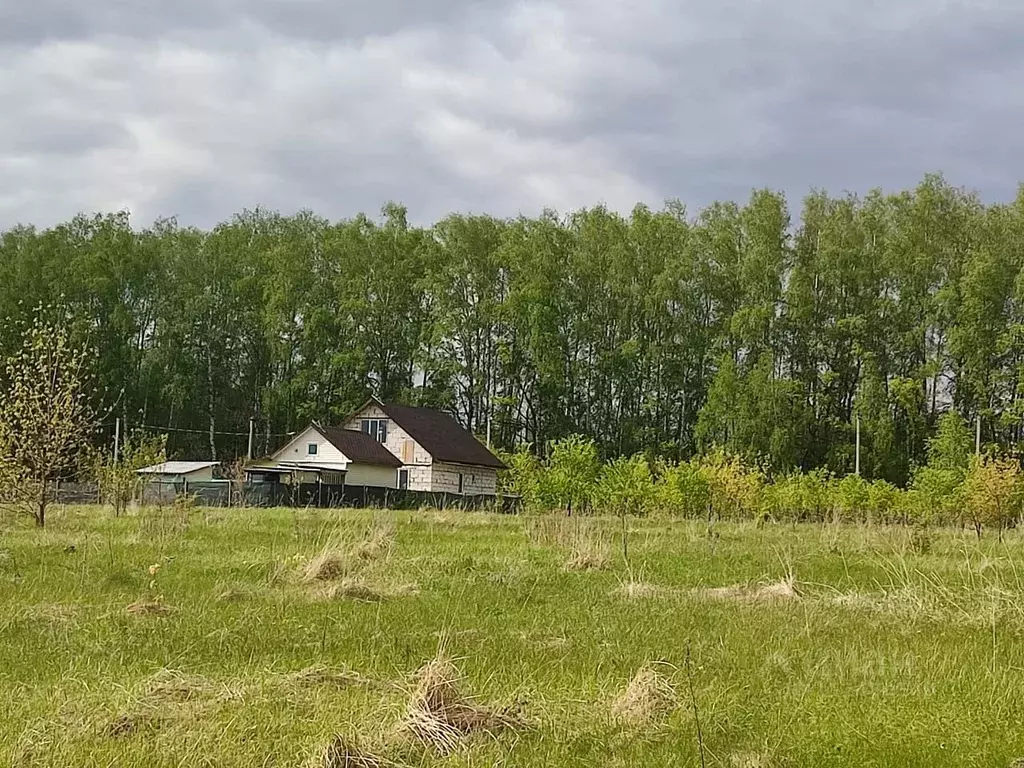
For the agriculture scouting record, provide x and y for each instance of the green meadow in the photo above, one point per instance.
(197, 637)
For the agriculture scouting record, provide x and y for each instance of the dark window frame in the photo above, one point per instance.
(376, 428)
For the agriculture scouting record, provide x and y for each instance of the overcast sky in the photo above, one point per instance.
(199, 108)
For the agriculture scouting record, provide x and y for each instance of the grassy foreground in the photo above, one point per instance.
(264, 635)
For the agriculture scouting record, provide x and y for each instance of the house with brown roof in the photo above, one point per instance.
(385, 445)
(436, 452)
(329, 456)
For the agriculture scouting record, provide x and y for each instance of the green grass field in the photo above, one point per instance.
(266, 636)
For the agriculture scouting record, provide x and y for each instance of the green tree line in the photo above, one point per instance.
(666, 332)
(955, 487)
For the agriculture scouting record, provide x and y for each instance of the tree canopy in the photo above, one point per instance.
(743, 327)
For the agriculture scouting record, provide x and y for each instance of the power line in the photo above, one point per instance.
(206, 431)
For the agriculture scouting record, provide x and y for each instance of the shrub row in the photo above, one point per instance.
(979, 491)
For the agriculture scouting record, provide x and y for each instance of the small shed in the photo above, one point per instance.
(173, 472)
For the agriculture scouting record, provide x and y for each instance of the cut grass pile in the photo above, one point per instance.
(442, 715)
(649, 696)
(356, 638)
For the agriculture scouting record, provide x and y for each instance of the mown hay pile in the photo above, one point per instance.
(649, 696)
(640, 590)
(344, 753)
(441, 715)
(322, 675)
(786, 589)
(169, 697)
(146, 607)
(327, 565)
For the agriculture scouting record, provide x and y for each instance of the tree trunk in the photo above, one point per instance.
(211, 404)
(41, 510)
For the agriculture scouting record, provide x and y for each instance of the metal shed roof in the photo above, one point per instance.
(177, 467)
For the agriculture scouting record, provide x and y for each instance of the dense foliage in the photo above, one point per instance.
(742, 326)
(955, 488)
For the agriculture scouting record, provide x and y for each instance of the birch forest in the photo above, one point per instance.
(766, 328)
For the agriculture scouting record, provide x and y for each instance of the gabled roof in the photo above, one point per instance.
(176, 467)
(358, 447)
(440, 435)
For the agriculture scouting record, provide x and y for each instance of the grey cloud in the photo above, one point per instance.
(43, 20)
(203, 108)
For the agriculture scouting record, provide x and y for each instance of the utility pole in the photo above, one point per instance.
(490, 408)
(117, 440)
(977, 436)
(857, 455)
(251, 427)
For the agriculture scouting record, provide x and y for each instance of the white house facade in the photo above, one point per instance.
(330, 456)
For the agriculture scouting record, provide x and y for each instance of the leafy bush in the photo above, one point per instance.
(721, 485)
(734, 488)
(800, 497)
(883, 498)
(524, 478)
(993, 493)
(571, 475)
(683, 489)
(119, 481)
(851, 498)
(938, 496)
(625, 486)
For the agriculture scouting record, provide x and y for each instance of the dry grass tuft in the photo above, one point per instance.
(377, 542)
(170, 697)
(404, 590)
(328, 565)
(440, 715)
(588, 560)
(786, 589)
(340, 557)
(780, 590)
(130, 723)
(56, 614)
(551, 531)
(363, 591)
(355, 589)
(640, 590)
(233, 593)
(322, 675)
(147, 607)
(170, 685)
(648, 697)
(754, 760)
(588, 549)
(344, 753)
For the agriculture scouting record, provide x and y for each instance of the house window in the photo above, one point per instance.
(460, 482)
(311, 449)
(377, 428)
(408, 452)
(403, 479)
